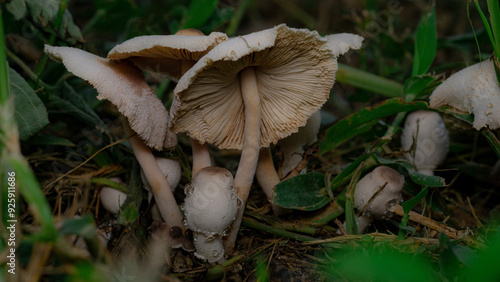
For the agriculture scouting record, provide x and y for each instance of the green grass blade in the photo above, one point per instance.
(494, 9)
(487, 27)
(425, 43)
(368, 81)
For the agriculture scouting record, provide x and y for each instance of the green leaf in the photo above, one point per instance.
(411, 203)
(17, 8)
(421, 179)
(198, 13)
(363, 120)
(419, 86)
(425, 43)
(83, 226)
(45, 9)
(31, 115)
(302, 192)
(67, 102)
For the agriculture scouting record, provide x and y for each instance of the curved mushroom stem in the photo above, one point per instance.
(201, 156)
(268, 177)
(164, 197)
(251, 146)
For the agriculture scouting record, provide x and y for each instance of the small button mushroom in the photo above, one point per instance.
(376, 196)
(111, 198)
(209, 248)
(211, 201)
(210, 206)
(425, 140)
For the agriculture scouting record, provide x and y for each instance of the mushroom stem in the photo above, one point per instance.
(164, 197)
(268, 177)
(251, 146)
(201, 156)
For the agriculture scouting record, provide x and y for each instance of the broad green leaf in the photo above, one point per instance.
(31, 115)
(83, 226)
(302, 192)
(198, 13)
(45, 9)
(67, 102)
(421, 179)
(68, 25)
(363, 120)
(17, 8)
(425, 43)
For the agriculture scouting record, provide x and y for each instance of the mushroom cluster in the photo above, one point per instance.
(243, 93)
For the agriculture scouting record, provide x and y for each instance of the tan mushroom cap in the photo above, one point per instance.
(164, 53)
(474, 90)
(294, 68)
(123, 85)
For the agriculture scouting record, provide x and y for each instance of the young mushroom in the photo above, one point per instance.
(210, 206)
(425, 140)
(377, 195)
(251, 91)
(112, 199)
(123, 85)
(474, 90)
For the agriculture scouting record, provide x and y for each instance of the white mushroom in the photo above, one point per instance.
(123, 85)
(211, 201)
(376, 196)
(473, 90)
(209, 248)
(293, 145)
(210, 206)
(112, 199)
(251, 91)
(425, 140)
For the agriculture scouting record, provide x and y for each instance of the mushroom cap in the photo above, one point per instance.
(340, 43)
(381, 204)
(474, 90)
(112, 199)
(164, 53)
(171, 169)
(294, 68)
(211, 201)
(426, 135)
(123, 85)
(209, 248)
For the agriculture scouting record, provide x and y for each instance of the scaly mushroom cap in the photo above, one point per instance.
(374, 200)
(294, 68)
(474, 90)
(123, 85)
(209, 248)
(165, 53)
(211, 201)
(426, 135)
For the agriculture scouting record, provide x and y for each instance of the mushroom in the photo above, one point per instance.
(425, 140)
(474, 90)
(171, 55)
(251, 91)
(123, 85)
(293, 145)
(377, 195)
(221, 98)
(209, 208)
(112, 199)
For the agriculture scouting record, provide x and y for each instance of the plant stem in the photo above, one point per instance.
(368, 81)
(494, 9)
(238, 15)
(278, 232)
